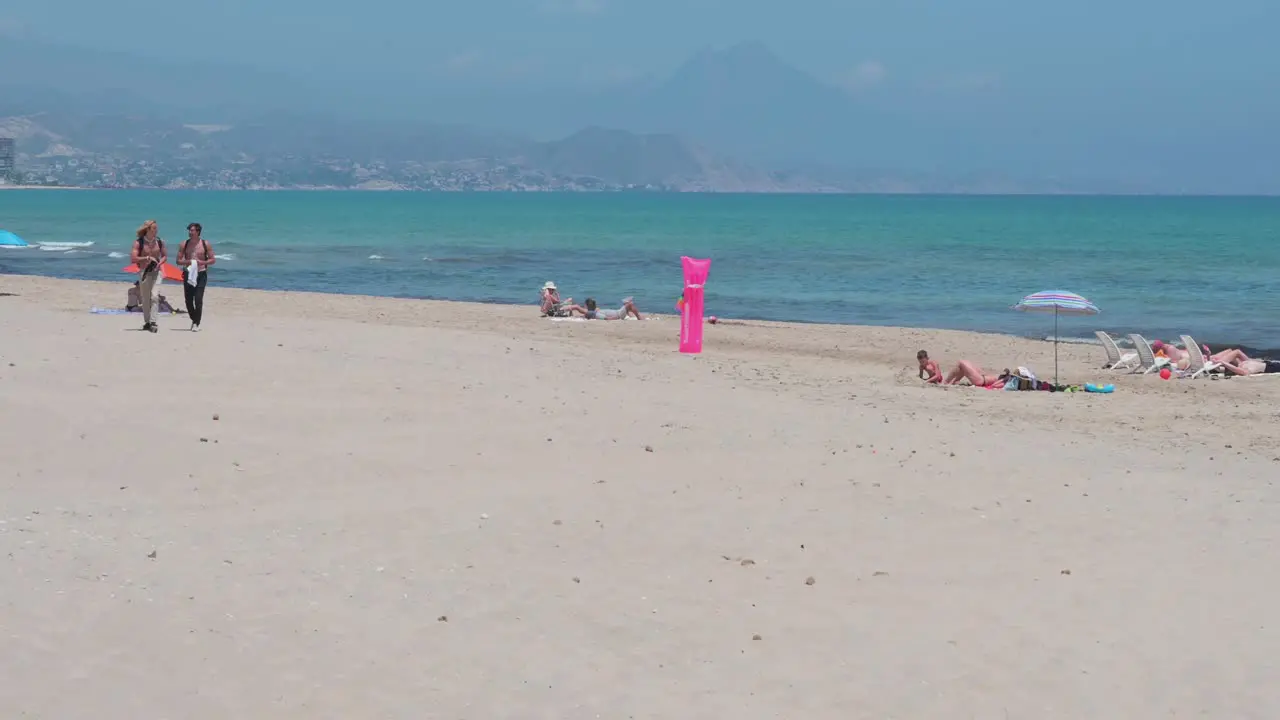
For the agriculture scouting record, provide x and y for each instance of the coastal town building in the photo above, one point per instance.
(8, 171)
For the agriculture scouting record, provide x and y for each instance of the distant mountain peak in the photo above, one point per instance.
(752, 57)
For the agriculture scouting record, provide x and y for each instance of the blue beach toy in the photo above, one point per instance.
(8, 239)
(1090, 387)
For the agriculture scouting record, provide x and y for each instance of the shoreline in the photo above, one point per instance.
(623, 191)
(1076, 340)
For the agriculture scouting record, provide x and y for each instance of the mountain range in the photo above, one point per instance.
(738, 118)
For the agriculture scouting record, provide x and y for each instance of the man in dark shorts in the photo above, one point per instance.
(1251, 366)
(196, 249)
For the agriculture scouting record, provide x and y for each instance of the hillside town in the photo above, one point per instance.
(96, 170)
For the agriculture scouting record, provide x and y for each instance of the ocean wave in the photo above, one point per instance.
(376, 257)
(227, 256)
(115, 255)
(64, 245)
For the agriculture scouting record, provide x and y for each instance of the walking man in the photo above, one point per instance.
(198, 251)
(148, 254)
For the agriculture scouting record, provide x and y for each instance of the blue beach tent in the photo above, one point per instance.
(8, 239)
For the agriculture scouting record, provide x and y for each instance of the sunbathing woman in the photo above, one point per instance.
(966, 370)
(1251, 366)
(1234, 356)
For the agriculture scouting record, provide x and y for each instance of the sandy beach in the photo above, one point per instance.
(347, 507)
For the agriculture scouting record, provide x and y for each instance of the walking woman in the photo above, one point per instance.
(196, 249)
(148, 254)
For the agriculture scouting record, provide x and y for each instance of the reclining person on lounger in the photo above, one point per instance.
(592, 312)
(1180, 359)
(1233, 356)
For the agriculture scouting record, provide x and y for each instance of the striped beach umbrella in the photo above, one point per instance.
(1058, 302)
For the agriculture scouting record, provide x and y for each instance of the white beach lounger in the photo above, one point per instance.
(1200, 365)
(1147, 360)
(1116, 360)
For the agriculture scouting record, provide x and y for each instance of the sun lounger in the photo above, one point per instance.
(1200, 365)
(1116, 360)
(1147, 360)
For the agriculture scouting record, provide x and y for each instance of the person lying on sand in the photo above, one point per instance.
(929, 371)
(593, 312)
(966, 370)
(1251, 366)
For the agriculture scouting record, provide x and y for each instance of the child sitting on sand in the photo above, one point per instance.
(929, 371)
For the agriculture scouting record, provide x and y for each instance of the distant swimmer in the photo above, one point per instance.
(195, 250)
(148, 254)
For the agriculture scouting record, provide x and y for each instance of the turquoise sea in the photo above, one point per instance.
(1209, 267)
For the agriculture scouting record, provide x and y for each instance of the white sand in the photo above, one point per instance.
(607, 525)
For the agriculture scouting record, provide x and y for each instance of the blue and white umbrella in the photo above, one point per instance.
(1058, 302)
(8, 239)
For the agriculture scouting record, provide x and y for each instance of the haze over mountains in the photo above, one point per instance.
(738, 118)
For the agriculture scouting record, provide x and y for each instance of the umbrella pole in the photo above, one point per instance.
(1055, 345)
